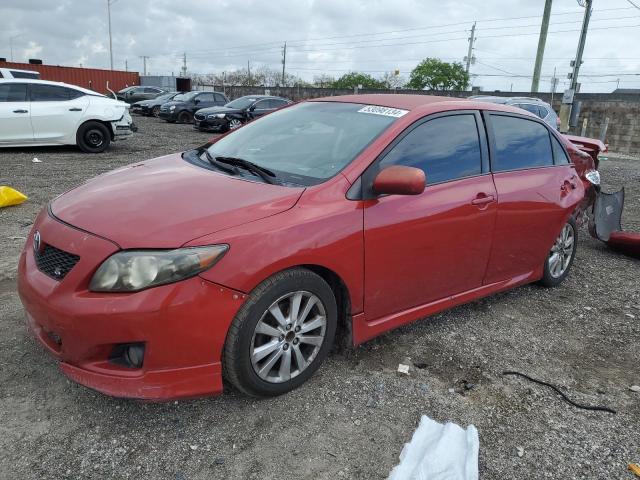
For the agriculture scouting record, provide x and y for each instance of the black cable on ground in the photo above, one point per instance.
(567, 399)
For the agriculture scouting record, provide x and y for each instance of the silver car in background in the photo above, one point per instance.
(530, 104)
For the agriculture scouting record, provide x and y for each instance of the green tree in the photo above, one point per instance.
(434, 74)
(353, 79)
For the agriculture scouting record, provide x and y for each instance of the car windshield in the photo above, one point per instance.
(242, 102)
(307, 143)
(165, 96)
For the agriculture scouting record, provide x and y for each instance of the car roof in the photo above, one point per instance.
(49, 82)
(504, 100)
(414, 102)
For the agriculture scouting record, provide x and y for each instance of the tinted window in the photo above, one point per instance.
(205, 97)
(1, 75)
(13, 92)
(51, 93)
(263, 105)
(445, 148)
(275, 103)
(17, 74)
(150, 90)
(520, 143)
(220, 99)
(559, 154)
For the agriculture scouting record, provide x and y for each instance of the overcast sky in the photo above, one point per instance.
(330, 36)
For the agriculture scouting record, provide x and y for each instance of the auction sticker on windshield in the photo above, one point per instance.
(386, 111)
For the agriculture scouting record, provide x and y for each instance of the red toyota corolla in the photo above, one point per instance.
(243, 258)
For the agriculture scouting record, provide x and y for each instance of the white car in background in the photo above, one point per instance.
(39, 112)
(15, 73)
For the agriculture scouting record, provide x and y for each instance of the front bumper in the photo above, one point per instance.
(124, 127)
(168, 115)
(183, 325)
(211, 125)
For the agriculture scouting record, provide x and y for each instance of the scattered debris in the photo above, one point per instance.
(634, 468)
(452, 390)
(219, 461)
(35, 160)
(439, 451)
(193, 447)
(357, 423)
(635, 388)
(567, 399)
(10, 196)
(420, 365)
(520, 451)
(402, 368)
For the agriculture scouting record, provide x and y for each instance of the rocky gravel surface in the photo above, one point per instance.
(352, 418)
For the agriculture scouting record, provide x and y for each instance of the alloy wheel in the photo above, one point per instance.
(234, 123)
(288, 336)
(561, 252)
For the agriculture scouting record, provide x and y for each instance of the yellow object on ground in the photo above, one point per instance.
(9, 196)
(634, 468)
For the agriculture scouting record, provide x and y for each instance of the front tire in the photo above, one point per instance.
(561, 255)
(93, 137)
(185, 117)
(155, 111)
(235, 123)
(281, 335)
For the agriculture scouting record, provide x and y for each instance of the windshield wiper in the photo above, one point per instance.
(216, 163)
(264, 173)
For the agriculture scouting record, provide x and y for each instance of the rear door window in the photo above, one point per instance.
(13, 92)
(535, 109)
(51, 93)
(445, 148)
(519, 143)
(18, 74)
(220, 100)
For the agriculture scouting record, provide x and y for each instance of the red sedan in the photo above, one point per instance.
(245, 258)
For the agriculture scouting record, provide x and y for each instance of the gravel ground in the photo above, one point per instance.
(352, 418)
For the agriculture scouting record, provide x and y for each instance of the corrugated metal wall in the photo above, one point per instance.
(92, 78)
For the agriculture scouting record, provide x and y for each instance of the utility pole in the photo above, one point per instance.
(144, 64)
(472, 38)
(11, 44)
(126, 65)
(109, 2)
(541, 44)
(470, 59)
(184, 64)
(567, 101)
(248, 73)
(284, 60)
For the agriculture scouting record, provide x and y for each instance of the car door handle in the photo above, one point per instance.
(75, 109)
(482, 199)
(21, 111)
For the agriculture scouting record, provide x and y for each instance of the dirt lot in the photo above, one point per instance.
(352, 418)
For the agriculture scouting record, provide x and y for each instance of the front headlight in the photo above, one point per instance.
(133, 270)
(172, 108)
(215, 115)
(593, 176)
(220, 115)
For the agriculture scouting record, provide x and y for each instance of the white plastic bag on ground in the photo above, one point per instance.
(439, 452)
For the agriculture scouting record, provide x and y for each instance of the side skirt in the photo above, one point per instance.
(364, 329)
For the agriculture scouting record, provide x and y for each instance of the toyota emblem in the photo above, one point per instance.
(36, 242)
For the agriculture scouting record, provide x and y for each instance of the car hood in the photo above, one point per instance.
(210, 110)
(167, 202)
(142, 102)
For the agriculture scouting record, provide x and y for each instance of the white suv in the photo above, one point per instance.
(39, 112)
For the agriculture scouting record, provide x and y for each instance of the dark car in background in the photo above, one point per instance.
(135, 94)
(235, 114)
(152, 107)
(539, 108)
(181, 109)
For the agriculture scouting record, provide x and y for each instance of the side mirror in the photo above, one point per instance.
(196, 101)
(399, 180)
(252, 108)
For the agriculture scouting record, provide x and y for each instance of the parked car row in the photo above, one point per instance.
(208, 111)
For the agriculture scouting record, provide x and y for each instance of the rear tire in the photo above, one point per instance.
(185, 117)
(561, 255)
(267, 355)
(155, 111)
(93, 137)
